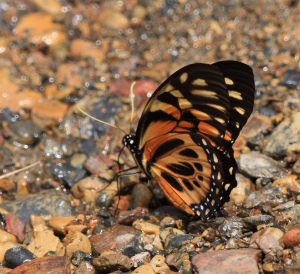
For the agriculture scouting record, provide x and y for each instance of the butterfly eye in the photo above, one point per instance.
(185, 135)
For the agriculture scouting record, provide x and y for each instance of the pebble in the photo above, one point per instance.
(7, 237)
(89, 188)
(4, 247)
(44, 241)
(85, 268)
(80, 256)
(240, 192)
(285, 138)
(253, 221)
(15, 226)
(231, 227)
(48, 113)
(257, 165)
(245, 260)
(60, 223)
(141, 196)
(292, 237)
(75, 241)
(117, 238)
(113, 19)
(25, 133)
(51, 264)
(143, 269)
(86, 49)
(110, 261)
(17, 256)
(50, 202)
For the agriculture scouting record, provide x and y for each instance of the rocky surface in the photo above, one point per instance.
(64, 211)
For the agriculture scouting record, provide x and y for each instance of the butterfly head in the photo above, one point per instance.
(130, 141)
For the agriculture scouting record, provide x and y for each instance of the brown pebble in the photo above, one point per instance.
(75, 241)
(143, 269)
(7, 237)
(50, 264)
(245, 260)
(110, 261)
(6, 185)
(59, 223)
(292, 237)
(45, 241)
(116, 237)
(48, 112)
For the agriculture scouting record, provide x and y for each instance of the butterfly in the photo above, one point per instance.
(185, 134)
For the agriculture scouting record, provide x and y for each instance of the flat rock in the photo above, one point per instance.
(257, 165)
(227, 262)
(47, 203)
(285, 138)
(52, 264)
(117, 238)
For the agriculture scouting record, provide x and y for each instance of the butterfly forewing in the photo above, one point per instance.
(194, 99)
(239, 80)
(185, 135)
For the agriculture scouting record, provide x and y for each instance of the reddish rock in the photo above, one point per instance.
(53, 264)
(292, 237)
(115, 238)
(15, 226)
(242, 261)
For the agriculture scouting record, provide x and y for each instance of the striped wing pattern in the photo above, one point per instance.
(185, 135)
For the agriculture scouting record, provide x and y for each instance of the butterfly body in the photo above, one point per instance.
(184, 137)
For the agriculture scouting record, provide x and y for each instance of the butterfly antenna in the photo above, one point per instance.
(94, 118)
(132, 101)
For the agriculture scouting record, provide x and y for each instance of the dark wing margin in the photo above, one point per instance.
(239, 80)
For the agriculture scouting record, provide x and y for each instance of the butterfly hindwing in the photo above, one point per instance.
(188, 169)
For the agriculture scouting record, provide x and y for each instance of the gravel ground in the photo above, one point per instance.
(66, 213)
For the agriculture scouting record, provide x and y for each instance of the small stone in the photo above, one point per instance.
(85, 268)
(7, 237)
(292, 237)
(17, 256)
(113, 19)
(240, 192)
(141, 196)
(268, 267)
(228, 261)
(89, 188)
(82, 48)
(59, 223)
(47, 203)
(253, 221)
(45, 241)
(285, 138)
(51, 264)
(110, 261)
(15, 226)
(75, 241)
(146, 227)
(48, 113)
(143, 269)
(257, 165)
(6, 185)
(81, 256)
(118, 238)
(159, 265)
(286, 182)
(4, 247)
